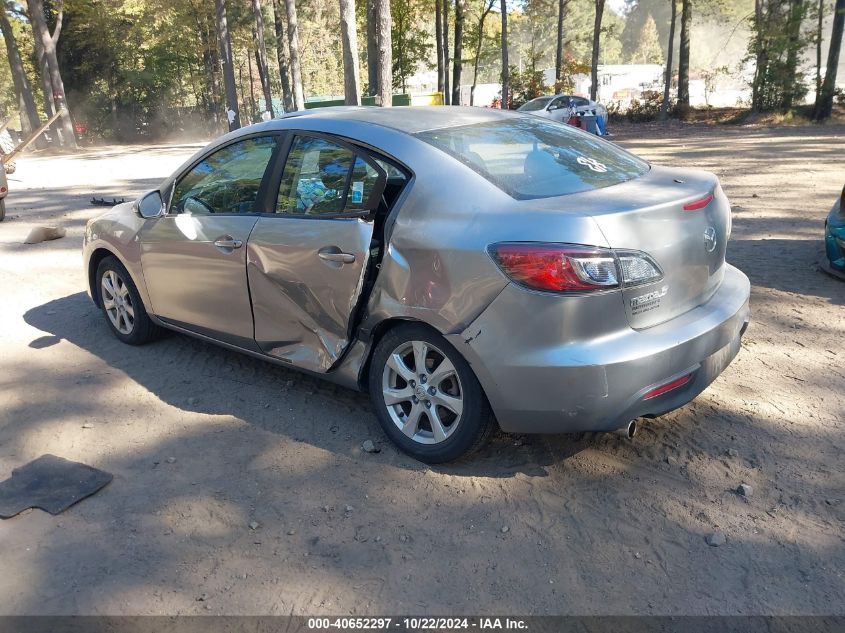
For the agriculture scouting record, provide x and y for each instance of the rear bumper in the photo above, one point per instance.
(545, 373)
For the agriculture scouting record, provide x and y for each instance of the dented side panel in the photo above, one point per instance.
(301, 302)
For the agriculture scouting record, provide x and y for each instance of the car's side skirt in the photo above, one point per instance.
(345, 375)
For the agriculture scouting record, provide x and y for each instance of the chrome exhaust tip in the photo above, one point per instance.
(628, 431)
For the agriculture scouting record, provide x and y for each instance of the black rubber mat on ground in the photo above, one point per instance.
(50, 483)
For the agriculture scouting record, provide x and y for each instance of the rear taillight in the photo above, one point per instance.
(699, 204)
(638, 268)
(573, 268)
(557, 267)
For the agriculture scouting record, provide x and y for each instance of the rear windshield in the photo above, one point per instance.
(535, 104)
(530, 157)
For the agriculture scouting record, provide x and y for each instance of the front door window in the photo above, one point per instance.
(226, 181)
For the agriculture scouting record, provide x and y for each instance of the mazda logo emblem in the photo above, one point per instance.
(710, 239)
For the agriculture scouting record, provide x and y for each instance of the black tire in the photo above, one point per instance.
(2, 209)
(143, 330)
(475, 423)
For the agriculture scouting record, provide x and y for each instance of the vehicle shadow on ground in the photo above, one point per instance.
(259, 392)
(593, 508)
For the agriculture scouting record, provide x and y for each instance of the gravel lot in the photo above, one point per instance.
(206, 445)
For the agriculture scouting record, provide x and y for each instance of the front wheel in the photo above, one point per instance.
(122, 305)
(2, 209)
(427, 399)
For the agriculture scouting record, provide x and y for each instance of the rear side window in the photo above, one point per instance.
(535, 104)
(324, 178)
(531, 157)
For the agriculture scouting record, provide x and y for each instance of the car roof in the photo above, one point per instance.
(408, 119)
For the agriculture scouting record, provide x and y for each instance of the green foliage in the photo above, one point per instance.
(534, 33)
(571, 67)
(411, 43)
(134, 67)
(151, 67)
(641, 110)
(527, 84)
(319, 46)
(23, 37)
(775, 46)
(648, 50)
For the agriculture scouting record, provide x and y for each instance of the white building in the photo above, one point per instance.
(617, 82)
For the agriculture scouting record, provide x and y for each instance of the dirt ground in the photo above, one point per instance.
(206, 444)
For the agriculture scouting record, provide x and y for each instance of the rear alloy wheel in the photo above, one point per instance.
(122, 304)
(427, 398)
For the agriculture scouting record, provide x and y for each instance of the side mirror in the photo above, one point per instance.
(150, 205)
(554, 107)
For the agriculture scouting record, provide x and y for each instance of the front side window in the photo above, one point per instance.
(227, 181)
(322, 177)
(531, 157)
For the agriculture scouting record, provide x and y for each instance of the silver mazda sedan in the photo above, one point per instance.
(467, 266)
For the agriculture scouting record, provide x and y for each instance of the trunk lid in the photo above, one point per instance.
(647, 214)
(688, 245)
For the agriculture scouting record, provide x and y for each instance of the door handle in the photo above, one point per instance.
(343, 258)
(228, 242)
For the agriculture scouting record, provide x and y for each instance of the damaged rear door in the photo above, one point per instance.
(306, 263)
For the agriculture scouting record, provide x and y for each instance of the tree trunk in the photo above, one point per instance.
(824, 106)
(23, 90)
(683, 56)
(349, 40)
(458, 62)
(280, 17)
(438, 36)
(796, 15)
(214, 53)
(400, 28)
(819, 33)
(209, 99)
(372, 49)
(208, 62)
(232, 113)
(759, 58)
(46, 86)
(594, 60)
(447, 94)
(44, 76)
(242, 87)
(48, 44)
(483, 17)
(295, 69)
(385, 53)
(559, 54)
(670, 53)
(505, 64)
(252, 107)
(261, 56)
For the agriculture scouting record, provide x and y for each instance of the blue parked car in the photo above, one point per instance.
(834, 239)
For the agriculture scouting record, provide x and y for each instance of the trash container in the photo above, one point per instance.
(588, 123)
